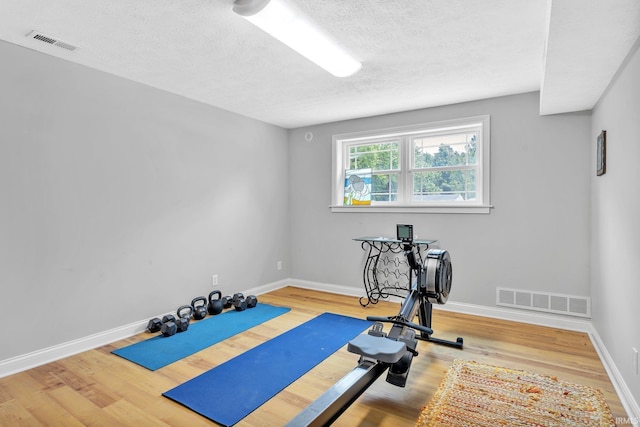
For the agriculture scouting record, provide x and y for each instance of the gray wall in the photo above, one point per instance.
(536, 237)
(119, 201)
(615, 216)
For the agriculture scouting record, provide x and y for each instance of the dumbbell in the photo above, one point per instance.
(252, 301)
(169, 326)
(240, 304)
(199, 311)
(227, 301)
(215, 305)
(182, 323)
(238, 296)
(154, 325)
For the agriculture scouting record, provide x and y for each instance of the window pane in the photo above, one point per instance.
(445, 150)
(384, 188)
(444, 186)
(380, 156)
(432, 167)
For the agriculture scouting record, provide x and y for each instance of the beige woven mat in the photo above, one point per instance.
(473, 394)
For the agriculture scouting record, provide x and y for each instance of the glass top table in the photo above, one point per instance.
(382, 239)
(386, 272)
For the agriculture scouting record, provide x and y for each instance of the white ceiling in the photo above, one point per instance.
(415, 53)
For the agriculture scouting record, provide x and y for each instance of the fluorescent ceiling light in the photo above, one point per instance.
(284, 21)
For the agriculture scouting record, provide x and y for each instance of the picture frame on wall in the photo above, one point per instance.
(601, 153)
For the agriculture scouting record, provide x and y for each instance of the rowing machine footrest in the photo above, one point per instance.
(379, 348)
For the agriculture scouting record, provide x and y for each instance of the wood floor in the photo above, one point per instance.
(101, 389)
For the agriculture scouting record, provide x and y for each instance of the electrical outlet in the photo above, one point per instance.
(214, 280)
(635, 360)
(279, 265)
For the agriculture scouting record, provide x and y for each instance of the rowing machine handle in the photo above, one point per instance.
(412, 325)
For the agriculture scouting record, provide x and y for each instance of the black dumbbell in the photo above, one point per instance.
(237, 296)
(240, 304)
(169, 328)
(184, 317)
(252, 301)
(227, 301)
(199, 311)
(154, 325)
(215, 305)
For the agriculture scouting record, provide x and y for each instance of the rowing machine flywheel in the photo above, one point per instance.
(439, 274)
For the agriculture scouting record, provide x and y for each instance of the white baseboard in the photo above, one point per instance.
(50, 354)
(327, 287)
(59, 351)
(626, 398)
(518, 315)
(267, 287)
(515, 315)
(69, 348)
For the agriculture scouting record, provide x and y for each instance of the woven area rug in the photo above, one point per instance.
(473, 394)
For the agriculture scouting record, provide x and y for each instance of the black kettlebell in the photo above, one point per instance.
(182, 322)
(199, 311)
(215, 305)
(181, 311)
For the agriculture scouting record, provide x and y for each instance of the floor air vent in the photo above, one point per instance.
(543, 301)
(50, 40)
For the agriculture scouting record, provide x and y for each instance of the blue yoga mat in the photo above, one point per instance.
(231, 391)
(160, 351)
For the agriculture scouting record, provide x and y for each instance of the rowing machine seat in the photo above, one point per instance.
(379, 348)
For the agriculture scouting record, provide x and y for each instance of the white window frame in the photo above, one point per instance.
(340, 154)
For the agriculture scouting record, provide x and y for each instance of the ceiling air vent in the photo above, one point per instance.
(50, 40)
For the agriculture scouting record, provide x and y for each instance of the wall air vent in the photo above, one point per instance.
(544, 301)
(50, 40)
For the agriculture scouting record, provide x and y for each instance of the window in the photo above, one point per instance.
(435, 167)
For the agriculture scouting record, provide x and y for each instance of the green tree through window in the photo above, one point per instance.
(444, 167)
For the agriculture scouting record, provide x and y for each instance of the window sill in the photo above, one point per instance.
(484, 209)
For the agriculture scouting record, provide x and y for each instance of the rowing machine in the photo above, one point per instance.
(393, 351)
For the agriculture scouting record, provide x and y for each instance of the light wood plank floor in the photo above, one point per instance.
(101, 389)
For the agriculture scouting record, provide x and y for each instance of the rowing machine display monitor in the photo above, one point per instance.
(392, 351)
(404, 233)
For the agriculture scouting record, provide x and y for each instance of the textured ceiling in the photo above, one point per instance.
(415, 53)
